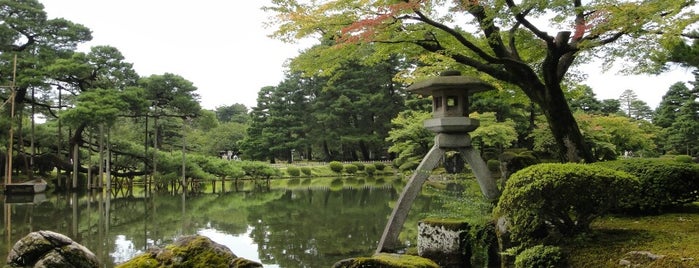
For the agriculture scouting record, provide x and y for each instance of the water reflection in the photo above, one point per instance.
(286, 223)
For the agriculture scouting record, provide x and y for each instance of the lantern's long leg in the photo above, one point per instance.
(480, 169)
(389, 239)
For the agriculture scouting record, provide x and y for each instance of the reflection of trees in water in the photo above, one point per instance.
(309, 225)
(315, 228)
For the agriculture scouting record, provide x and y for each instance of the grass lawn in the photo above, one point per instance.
(673, 234)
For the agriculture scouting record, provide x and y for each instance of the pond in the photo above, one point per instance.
(286, 223)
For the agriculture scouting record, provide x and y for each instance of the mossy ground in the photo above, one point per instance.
(388, 260)
(673, 234)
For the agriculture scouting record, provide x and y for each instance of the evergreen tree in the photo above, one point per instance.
(669, 106)
(626, 99)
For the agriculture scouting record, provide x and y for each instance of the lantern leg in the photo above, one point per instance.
(389, 239)
(485, 180)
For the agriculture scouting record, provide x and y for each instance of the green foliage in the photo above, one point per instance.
(224, 137)
(259, 170)
(306, 171)
(236, 113)
(370, 169)
(217, 167)
(360, 166)
(544, 200)
(492, 133)
(293, 171)
(541, 256)
(408, 164)
(350, 168)
(683, 158)
(410, 139)
(380, 166)
(347, 112)
(103, 106)
(170, 93)
(516, 161)
(388, 27)
(493, 165)
(336, 166)
(664, 183)
(608, 136)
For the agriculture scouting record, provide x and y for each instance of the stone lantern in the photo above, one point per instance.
(450, 99)
(450, 122)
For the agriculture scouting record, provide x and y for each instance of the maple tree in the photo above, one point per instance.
(503, 41)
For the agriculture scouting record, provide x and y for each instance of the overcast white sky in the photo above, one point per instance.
(222, 47)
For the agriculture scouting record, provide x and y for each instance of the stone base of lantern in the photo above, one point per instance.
(458, 124)
(445, 242)
(452, 141)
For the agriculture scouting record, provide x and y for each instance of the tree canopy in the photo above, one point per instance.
(507, 41)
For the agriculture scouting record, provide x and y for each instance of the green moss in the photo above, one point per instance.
(386, 260)
(244, 263)
(450, 224)
(675, 235)
(141, 261)
(197, 251)
(192, 251)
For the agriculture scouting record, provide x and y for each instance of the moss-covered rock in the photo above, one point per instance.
(386, 260)
(190, 251)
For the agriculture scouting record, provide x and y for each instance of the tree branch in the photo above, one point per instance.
(485, 56)
(520, 17)
(494, 71)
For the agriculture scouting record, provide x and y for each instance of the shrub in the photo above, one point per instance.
(663, 182)
(370, 169)
(360, 166)
(493, 165)
(351, 168)
(336, 166)
(541, 256)
(259, 170)
(306, 171)
(410, 164)
(293, 171)
(380, 166)
(683, 158)
(545, 199)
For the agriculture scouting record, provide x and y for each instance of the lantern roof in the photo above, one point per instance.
(450, 80)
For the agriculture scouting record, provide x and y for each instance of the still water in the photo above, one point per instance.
(286, 223)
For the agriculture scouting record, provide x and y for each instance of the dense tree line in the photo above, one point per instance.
(343, 117)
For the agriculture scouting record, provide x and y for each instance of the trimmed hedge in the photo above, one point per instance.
(370, 169)
(664, 183)
(351, 168)
(541, 256)
(547, 199)
(380, 166)
(293, 171)
(336, 166)
(306, 171)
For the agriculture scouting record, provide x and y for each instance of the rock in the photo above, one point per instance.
(190, 251)
(444, 241)
(50, 249)
(386, 260)
(638, 258)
